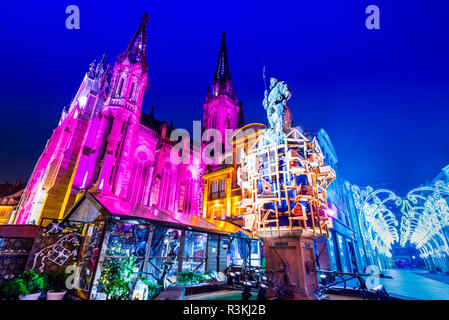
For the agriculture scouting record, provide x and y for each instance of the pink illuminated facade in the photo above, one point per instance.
(106, 145)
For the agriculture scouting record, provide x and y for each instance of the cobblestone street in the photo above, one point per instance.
(417, 284)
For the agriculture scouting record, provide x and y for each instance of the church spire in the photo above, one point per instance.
(222, 74)
(221, 109)
(222, 77)
(136, 51)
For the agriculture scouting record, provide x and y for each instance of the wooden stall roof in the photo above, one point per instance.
(18, 231)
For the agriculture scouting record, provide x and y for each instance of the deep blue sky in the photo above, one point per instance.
(382, 95)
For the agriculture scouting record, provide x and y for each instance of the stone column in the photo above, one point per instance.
(294, 258)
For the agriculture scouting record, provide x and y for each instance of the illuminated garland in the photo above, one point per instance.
(424, 215)
(378, 225)
(117, 271)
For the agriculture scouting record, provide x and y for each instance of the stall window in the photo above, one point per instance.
(163, 256)
(194, 256)
(245, 251)
(255, 253)
(125, 240)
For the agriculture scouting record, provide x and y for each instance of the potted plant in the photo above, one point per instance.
(13, 288)
(34, 283)
(153, 288)
(57, 284)
(27, 286)
(189, 277)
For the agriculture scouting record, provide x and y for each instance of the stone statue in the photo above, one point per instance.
(278, 113)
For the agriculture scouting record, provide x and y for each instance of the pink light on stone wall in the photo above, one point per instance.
(105, 145)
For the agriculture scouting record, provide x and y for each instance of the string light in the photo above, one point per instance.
(378, 225)
(425, 214)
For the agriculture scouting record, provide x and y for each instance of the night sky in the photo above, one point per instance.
(382, 95)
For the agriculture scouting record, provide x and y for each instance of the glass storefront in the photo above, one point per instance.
(160, 252)
(333, 252)
(194, 255)
(342, 254)
(89, 254)
(248, 250)
(163, 257)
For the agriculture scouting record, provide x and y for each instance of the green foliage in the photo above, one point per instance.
(13, 288)
(34, 281)
(57, 280)
(189, 277)
(28, 282)
(116, 275)
(154, 289)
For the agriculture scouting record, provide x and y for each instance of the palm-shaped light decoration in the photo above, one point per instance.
(424, 216)
(377, 223)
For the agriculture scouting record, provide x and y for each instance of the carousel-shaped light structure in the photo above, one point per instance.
(283, 176)
(378, 224)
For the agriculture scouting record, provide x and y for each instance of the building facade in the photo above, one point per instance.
(10, 194)
(106, 145)
(222, 193)
(344, 249)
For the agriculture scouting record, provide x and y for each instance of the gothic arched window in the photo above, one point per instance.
(120, 87)
(214, 121)
(131, 92)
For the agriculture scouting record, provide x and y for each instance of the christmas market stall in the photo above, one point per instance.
(148, 244)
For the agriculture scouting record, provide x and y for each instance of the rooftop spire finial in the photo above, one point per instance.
(222, 73)
(137, 47)
(222, 76)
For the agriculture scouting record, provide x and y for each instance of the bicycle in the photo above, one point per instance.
(332, 279)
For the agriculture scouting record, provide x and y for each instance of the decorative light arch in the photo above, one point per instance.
(425, 215)
(377, 223)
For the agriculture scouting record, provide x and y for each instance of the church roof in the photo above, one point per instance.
(149, 121)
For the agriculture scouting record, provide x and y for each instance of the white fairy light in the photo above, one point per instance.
(378, 225)
(424, 216)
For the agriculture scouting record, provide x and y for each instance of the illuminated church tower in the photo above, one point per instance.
(89, 147)
(105, 145)
(118, 121)
(48, 186)
(222, 110)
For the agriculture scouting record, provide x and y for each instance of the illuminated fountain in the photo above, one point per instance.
(284, 181)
